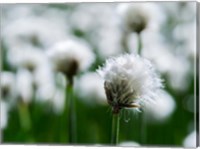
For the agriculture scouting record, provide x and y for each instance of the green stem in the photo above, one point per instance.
(143, 128)
(139, 43)
(115, 129)
(24, 116)
(124, 41)
(71, 113)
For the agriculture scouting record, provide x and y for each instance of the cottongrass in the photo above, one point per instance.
(129, 81)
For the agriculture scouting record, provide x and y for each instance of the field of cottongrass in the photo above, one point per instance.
(99, 74)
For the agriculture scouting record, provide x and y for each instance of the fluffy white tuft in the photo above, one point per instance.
(65, 53)
(27, 57)
(140, 16)
(129, 79)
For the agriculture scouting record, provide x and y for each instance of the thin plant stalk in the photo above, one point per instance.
(71, 113)
(124, 40)
(143, 128)
(115, 129)
(24, 116)
(25, 120)
(139, 43)
(64, 121)
(143, 116)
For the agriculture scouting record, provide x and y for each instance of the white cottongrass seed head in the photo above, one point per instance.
(137, 17)
(71, 56)
(129, 81)
(27, 57)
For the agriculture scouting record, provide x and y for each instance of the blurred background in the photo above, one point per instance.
(33, 93)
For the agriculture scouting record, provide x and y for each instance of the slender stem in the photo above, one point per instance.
(143, 116)
(71, 113)
(115, 129)
(1, 136)
(64, 122)
(24, 116)
(139, 43)
(124, 41)
(143, 128)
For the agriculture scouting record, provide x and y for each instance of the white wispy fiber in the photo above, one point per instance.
(90, 88)
(71, 56)
(140, 16)
(4, 114)
(161, 109)
(190, 140)
(130, 81)
(163, 57)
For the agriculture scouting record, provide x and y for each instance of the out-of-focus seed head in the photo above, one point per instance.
(137, 17)
(71, 56)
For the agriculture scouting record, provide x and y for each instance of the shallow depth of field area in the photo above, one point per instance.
(51, 89)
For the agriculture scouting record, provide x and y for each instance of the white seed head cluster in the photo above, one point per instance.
(135, 20)
(140, 16)
(130, 80)
(71, 56)
(30, 58)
